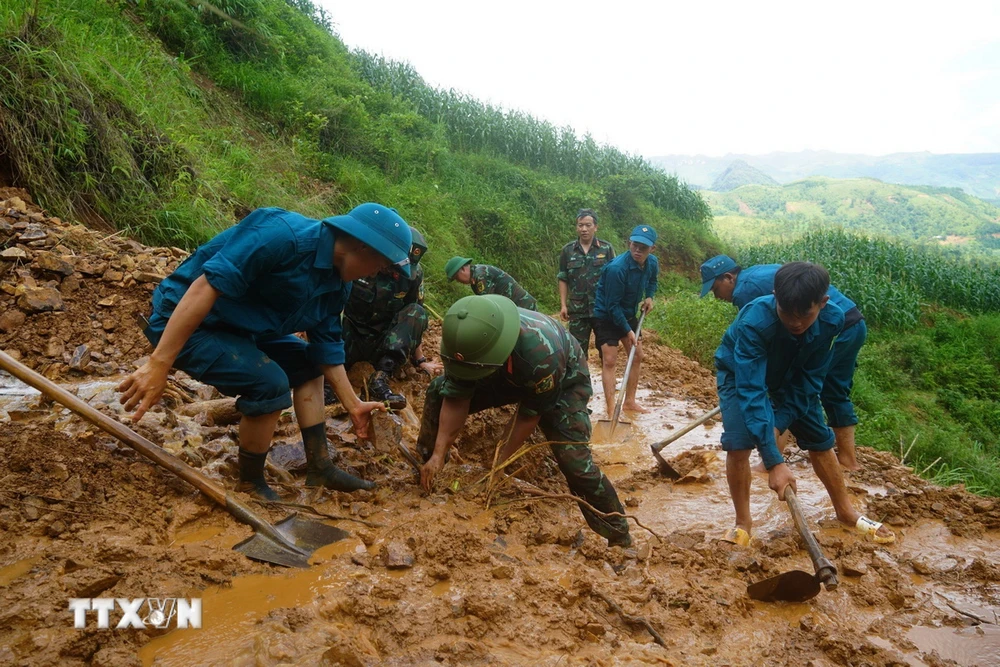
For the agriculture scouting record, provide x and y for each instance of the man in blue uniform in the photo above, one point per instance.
(627, 285)
(722, 276)
(770, 369)
(227, 316)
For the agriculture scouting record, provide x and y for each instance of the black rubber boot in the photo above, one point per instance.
(378, 390)
(252, 476)
(320, 470)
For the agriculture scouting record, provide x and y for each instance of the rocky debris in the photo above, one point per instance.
(43, 262)
(397, 555)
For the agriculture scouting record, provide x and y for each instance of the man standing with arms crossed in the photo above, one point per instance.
(627, 285)
(580, 265)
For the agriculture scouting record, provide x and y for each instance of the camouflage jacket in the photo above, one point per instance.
(488, 279)
(545, 362)
(580, 271)
(375, 300)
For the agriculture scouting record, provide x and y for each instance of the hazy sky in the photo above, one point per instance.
(712, 77)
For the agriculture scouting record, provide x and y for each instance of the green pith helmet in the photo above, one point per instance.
(419, 247)
(478, 335)
(454, 264)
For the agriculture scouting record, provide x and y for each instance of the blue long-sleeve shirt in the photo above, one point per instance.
(757, 281)
(275, 274)
(771, 365)
(623, 285)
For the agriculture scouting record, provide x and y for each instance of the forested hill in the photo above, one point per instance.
(946, 215)
(171, 120)
(977, 174)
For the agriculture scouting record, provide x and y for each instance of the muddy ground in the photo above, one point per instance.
(438, 578)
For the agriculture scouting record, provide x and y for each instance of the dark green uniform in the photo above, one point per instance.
(548, 375)
(488, 279)
(385, 316)
(580, 271)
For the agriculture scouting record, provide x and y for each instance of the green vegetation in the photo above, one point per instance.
(931, 367)
(170, 120)
(929, 214)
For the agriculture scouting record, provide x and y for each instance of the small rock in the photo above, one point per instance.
(854, 568)
(46, 261)
(110, 301)
(39, 299)
(595, 629)
(81, 358)
(69, 285)
(89, 268)
(55, 348)
(938, 507)
(807, 623)
(147, 277)
(109, 325)
(13, 253)
(33, 233)
(56, 528)
(17, 204)
(631, 501)
(73, 487)
(504, 571)
(11, 319)
(896, 520)
(113, 276)
(56, 470)
(397, 556)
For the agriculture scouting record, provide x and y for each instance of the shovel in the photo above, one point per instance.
(661, 462)
(290, 542)
(798, 586)
(610, 426)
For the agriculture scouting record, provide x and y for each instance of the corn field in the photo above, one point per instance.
(476, 127)
(890, 281)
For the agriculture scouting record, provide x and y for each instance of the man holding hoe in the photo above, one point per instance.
(770, 368)
(227, 316)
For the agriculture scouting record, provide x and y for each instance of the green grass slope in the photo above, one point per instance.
(170, 120)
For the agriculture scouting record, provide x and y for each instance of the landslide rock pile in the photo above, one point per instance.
(69, 295)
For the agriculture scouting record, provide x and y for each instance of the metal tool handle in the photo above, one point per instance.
(628, 368)
(826, 571)
(140, 444)
(687, 429)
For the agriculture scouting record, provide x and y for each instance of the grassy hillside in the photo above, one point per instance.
(943, 215)
(171, 120)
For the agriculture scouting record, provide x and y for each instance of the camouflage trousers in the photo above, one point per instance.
(566, 423)
(581, 328)
(398, 341)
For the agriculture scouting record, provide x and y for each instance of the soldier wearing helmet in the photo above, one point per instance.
(227, 316)
(498, 354)
(488, 279)
(384, 322)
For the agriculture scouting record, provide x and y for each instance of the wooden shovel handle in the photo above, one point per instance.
(140, 444)
(826, 571)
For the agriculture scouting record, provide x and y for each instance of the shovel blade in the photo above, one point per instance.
(602, 432)
(794, 586)
(664, 467)
(305, 534)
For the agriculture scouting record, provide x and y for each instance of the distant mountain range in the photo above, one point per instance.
(976, 173)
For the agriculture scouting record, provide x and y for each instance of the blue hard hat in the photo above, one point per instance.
(381, 228)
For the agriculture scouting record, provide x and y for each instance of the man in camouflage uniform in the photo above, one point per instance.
(384, 323)
(497, 354)
(487, 279)
(580, 264)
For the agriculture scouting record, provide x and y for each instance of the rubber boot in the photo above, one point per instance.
(320, 470)
(378, 385)
(252, 476)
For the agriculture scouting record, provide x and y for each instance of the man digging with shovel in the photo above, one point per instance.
(498, 354)
(227, 317)
(770, 369)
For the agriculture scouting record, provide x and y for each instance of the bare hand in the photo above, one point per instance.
(432, 368)
(429, 470)
(779, 478)
(564, 314)
(630, 339)
(361, 418)
(143, 388)
(647, 305)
